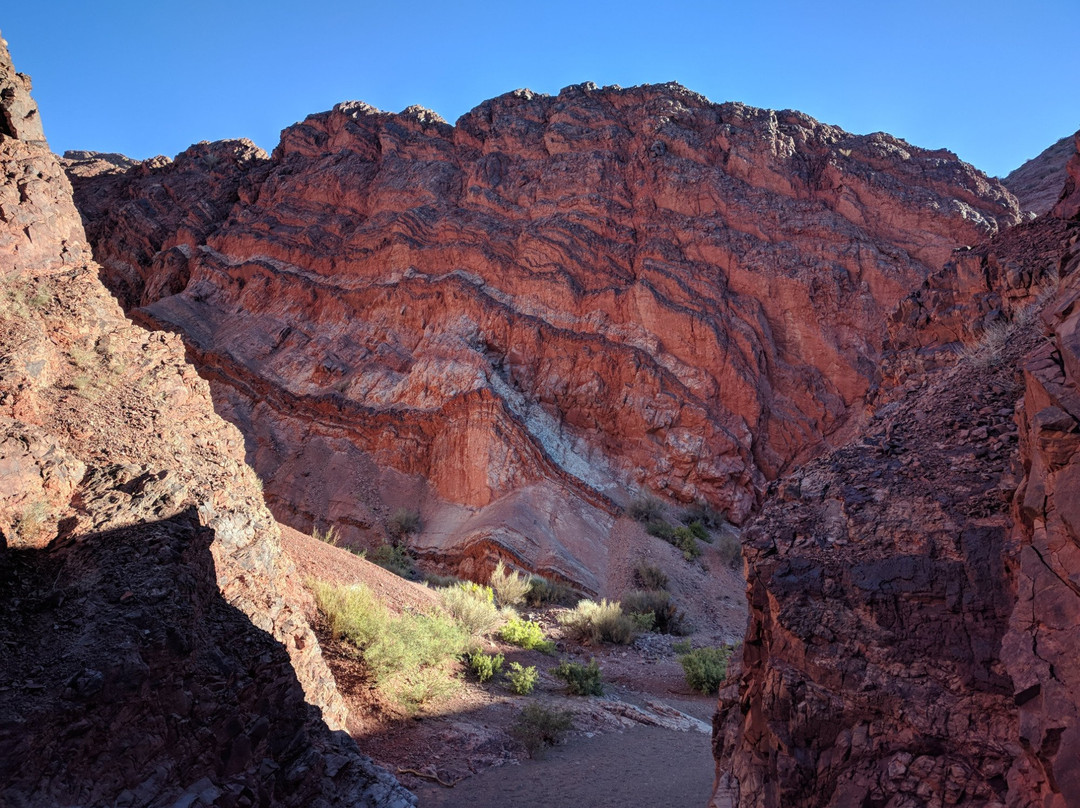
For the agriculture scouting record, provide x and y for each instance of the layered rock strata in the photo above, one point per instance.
(565, 298)
(155, 649)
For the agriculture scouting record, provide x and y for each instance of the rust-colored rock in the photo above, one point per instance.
(914, 610)
(154, 652)
(582, 296)
(1037, 183)
(1068, 206)
(1043, 643)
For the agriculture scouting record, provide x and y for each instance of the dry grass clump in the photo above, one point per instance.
(510, 586)
(473, 606)
(592, 622)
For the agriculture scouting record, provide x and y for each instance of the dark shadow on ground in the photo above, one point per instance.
(126, 679)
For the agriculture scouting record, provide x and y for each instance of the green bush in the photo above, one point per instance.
(706, 668)
(396, 559)
(683, 538)
(591, 622)
(510, 586)
(581, 680)
(522, 679)
(646, 507)
(485, 666)
(543, 591)
(730, 549)
(526, 634)
(666, 617)
(649, 576)
(403, 522)
(407, 655)
(706, 514)
(537, 727)
(660, 529)
(473, 607)
(699, 531)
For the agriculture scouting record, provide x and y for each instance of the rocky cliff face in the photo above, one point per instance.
(1043, 643)
(912, 617)
(1037, 183)
(154, 648)
(557, 300)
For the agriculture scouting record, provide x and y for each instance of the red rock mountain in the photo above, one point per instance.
(1037, 183)
(154, 644)
(522, 320)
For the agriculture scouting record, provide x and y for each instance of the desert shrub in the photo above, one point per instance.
(510, 586)
(708, 516)
(396, 559)
(521, 679)
(591, 622)
(407, 655)
(526, 634)
(543, 591)
(660, 528)
(472, 606)
(581, 680)
(437, 581)
(666, 617)
(537, 727)
(649, 576)
(403, 522)
(730, 548)
(485, 666)
(646, 507)
(328, 536)
(683, 538)
(699, 531)
(705, 668)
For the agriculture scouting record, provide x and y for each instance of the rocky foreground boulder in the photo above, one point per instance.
(154, 646)
(523, 320)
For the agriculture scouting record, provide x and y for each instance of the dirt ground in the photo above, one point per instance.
(646, 740)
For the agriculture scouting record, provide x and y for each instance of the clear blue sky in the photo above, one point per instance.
(994, 81)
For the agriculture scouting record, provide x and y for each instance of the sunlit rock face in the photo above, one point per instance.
(581, 296)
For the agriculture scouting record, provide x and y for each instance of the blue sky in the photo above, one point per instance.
(993, 81)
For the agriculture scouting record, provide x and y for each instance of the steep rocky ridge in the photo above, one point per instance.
(912, 601)
(155, 649)
(550, 305)
(1037, 183)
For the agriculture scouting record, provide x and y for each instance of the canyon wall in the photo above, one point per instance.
(155, 649)
(912, 598)
(562, 299)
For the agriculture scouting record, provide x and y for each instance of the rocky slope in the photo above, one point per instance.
(521, 320)
(1037, 183)
(155, 650)
(912, 606)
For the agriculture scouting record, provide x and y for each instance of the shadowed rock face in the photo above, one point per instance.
(1043, 643)
(155, 646)
(912, 634)
(576, 296)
